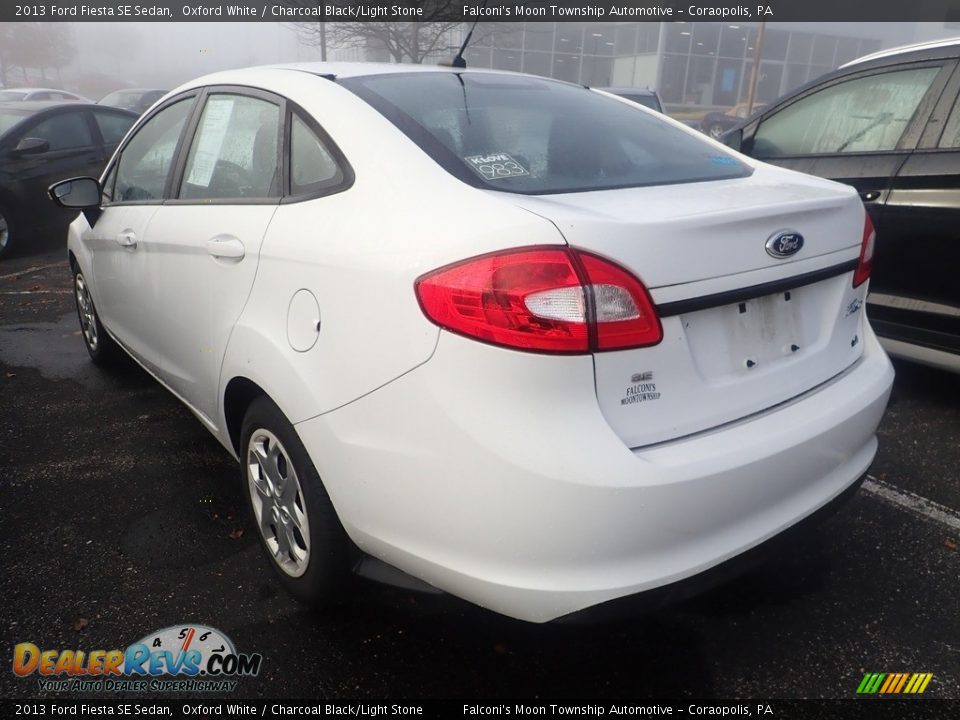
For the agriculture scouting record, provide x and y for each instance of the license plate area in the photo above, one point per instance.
(755, 335)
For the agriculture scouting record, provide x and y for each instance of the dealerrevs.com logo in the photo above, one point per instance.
(180, 658)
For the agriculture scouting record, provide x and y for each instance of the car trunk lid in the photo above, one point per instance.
(744, 330)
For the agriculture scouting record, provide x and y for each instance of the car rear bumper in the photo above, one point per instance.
(493, 475)
(795, 536)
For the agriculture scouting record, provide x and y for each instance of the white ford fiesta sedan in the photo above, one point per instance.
(516, 339)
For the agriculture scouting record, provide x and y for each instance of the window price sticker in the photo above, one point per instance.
(496, 166)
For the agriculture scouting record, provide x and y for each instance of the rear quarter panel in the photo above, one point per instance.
(359, 253)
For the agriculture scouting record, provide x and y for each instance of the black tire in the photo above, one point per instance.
(101, 347)
(9, 232)
(315, 568)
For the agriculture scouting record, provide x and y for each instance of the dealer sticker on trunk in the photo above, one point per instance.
(496, 166)
(641, 389)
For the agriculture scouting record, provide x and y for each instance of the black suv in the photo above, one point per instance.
(889, 125)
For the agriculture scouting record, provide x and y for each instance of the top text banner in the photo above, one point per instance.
(446, 10)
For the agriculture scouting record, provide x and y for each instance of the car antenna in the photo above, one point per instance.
(458, 61)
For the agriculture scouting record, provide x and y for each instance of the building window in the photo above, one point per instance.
(566, 67)
(678, 37)
(706, 38)
(672, 75)
(539, 36)
(733, 41)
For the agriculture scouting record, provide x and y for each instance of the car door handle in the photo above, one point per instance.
(869, 195)
(226, 246)
(127, 239)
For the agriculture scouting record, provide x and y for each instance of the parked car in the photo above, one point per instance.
(40, 143)
(889, 125)
(717, 123)
(643, 96)
(40, 95)
(137, 100)
(541, 355)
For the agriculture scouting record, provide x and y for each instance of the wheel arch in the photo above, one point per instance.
(8, 201)
(239, 393)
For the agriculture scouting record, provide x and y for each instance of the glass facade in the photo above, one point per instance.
(704, 64)
(709, 64)
(577, 52)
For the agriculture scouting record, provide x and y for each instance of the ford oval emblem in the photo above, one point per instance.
(784, 244)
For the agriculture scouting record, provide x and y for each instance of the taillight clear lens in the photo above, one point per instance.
(625, 317)
(555, 300)
(867, 247)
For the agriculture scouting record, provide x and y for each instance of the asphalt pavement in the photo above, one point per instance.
(120, 515)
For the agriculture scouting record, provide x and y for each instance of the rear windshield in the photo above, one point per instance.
(122, 98)
(539, 136)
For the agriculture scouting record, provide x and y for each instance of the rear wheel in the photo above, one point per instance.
(101, 347)
(7, 233)
(298, 527)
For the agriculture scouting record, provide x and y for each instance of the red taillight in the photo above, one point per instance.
(867, 247)
(557, 300)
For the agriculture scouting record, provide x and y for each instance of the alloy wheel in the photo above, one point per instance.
(4, 232)
(278, 503)
(88, 318)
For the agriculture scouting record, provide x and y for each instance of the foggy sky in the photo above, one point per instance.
(166, 54)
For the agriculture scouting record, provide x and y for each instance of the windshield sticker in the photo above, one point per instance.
(495, 166)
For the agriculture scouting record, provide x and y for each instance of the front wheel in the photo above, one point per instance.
(298, 526)
(101, 347)
(7, 234)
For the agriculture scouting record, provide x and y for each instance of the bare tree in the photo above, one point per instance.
(401, 41)
(35, 46)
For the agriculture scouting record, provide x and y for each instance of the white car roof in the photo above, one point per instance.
(40, 89)
(335, 69)
(360, 69)
(903, 49)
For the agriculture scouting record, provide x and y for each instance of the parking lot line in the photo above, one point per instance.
(27, 271)
(912, 502)
(36, 292)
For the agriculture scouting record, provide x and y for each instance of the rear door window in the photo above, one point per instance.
(532, 135)
(950, 139)
(235, 152)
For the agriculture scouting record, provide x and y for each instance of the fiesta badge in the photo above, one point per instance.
(784, 243)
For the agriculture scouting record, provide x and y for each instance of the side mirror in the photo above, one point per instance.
(733, 139)
(31, 146)
(81, 193)
(76, 193)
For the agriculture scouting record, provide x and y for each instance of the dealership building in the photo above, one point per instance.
(700, 64)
